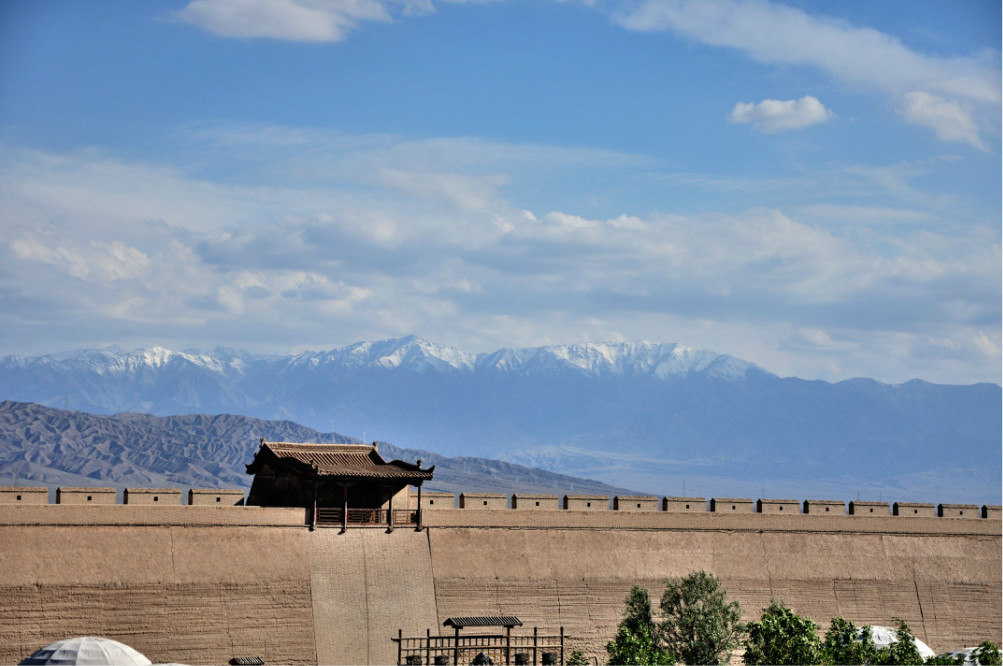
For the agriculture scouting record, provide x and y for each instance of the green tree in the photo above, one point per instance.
(640, 648)
(577, 659)
(781, 636)
(844, 644)
(636, 641)
(987, 654)
(699, 626)
(902, 651)
(637, 615)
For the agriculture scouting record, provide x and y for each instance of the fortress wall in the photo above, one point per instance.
(945, 585)
(197, 584)
(185, 593)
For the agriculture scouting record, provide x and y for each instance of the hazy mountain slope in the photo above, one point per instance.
(43, 445)
(648, 416)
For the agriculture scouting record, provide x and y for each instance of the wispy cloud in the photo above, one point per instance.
(300, 20)
(950, 120)
(936, 92)
(295, 20)
(401, 248)
(773, 115)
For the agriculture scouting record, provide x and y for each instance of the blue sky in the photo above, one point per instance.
(813, 187)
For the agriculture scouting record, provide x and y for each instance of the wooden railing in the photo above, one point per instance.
(328, 516)
(467, 648)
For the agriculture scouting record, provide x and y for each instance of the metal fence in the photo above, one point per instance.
(498, 649)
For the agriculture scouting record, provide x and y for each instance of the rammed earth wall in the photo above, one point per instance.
(201, 585)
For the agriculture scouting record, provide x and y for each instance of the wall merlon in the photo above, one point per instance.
(732, 504)
(913, 509)
(23, 495)
(858, 508)
(781, 506)
(684, 504)
(586, 502)
(530, 502)
(151, 496)
(958, 510)
(215, 497)
(635, 503)
(992, 511)
(437, 500)
(483, 501)
(85, 496)
(831, 507)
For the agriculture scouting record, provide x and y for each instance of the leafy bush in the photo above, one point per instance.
(577, 659)
(987, 654)
(640, 648)
(781, 636)
(845, 644)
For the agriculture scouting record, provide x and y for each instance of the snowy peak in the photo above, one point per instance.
(409, 353)
(414, 354)
(114, 362)
(617, 358)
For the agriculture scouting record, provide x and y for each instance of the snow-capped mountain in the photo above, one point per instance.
(409, 353)
(648, 416)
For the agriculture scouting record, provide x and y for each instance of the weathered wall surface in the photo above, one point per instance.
(942, 578)
(200, 587)
(367, 584)
(204, 584)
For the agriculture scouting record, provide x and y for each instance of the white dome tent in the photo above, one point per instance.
(90, 650)
(885, 636)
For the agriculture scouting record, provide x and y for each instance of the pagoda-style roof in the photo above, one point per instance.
(344, 461)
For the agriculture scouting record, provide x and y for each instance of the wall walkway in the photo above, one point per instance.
(366, 585)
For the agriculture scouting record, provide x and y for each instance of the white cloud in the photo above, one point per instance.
(295, 20)
(390, 241)
(300, 20)
(948, 119)
(773, 115)
(779, 34)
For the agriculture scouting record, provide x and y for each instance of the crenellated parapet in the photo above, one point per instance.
(448, 501)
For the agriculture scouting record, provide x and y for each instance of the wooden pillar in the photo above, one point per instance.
(390, 514)
(428, 646)
(562, 646)
(456, 644)
(344, 509)
(508, 646)
(534, 646)
(400, 644)
(418, 529)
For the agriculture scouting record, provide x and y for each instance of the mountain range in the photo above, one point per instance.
(661, 418)
(55, 447)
